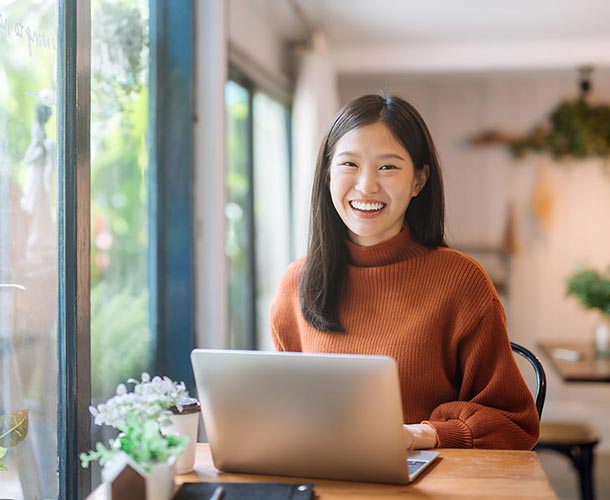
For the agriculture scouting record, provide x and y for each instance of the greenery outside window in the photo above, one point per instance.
(120, 333)
(76, 218)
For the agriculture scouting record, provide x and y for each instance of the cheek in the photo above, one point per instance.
(337, 191)
(401, 195)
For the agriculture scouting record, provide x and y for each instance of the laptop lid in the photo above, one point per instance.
(306, 415)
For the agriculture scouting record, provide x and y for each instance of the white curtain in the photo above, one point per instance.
(316, 101)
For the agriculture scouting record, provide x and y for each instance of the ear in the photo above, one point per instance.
(421, 177)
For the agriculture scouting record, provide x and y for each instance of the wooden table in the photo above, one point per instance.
(456, 474)
(585, 367)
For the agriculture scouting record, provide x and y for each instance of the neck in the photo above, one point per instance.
(398, 248)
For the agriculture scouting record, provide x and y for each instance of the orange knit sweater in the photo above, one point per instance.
(437, 313)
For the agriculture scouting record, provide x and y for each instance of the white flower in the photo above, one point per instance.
(150, 400)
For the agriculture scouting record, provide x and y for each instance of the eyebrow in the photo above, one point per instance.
(385, 156)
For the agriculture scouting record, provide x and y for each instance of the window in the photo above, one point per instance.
(120, 333)
(28, 247)
(115, 207)
(271, 205)
(121, 341)
(257, 210)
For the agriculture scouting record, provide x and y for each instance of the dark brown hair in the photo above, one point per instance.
(323, 280)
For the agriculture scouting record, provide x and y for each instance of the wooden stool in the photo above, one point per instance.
(576, 441)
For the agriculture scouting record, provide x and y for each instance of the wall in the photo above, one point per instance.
(208, 174)
(482, 183)
(226, 31)
(253, 37)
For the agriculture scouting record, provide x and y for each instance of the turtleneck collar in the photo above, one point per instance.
(400, 247)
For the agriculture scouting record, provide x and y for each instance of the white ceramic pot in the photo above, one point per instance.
(187, 424)
(602, 337)
(160, 483)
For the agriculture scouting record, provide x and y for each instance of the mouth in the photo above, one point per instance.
(368, 207)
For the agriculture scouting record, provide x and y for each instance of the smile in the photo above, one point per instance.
(374, 206)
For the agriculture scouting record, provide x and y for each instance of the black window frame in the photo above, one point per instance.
(171, 276)
(74, 235)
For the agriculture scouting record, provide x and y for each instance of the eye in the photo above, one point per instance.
(388, 167)
(347, 164)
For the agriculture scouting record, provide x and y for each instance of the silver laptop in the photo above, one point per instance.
(306, 415)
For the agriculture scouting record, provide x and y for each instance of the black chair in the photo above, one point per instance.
(575, 440)
(540, 374)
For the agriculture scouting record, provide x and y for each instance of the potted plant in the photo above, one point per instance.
(592, 289)
(141, 446)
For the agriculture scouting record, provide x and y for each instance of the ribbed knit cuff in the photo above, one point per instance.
(452, 434)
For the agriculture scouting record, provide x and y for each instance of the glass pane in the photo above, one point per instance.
(271, 205)
(238, 213)
(28, 248)
(120, 333)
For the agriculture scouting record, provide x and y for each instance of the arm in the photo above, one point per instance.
(284, 311)
(495, 408)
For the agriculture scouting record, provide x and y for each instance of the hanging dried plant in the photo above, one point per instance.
(575, 129)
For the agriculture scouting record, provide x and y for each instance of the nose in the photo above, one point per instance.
(367, 182)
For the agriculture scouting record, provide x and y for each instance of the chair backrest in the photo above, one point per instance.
(539, 371)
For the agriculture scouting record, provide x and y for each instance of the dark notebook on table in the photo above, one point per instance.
(246, 491)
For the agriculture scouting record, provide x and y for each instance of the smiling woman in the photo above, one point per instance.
(368, 129)
(371, 192)
(378, 279)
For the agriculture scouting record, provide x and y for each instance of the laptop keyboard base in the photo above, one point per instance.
(415, 466)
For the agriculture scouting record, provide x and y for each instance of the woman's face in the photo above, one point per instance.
(372, 181)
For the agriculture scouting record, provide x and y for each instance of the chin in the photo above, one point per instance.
(359, 233)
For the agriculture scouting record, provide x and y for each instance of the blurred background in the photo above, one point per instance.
(485, 76)
(526, 171)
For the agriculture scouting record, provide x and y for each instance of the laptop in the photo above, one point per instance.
(333, 416)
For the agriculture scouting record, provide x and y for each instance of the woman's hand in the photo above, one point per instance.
(419, 436)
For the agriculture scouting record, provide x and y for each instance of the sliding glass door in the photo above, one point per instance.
(28, 249)
(95, 222)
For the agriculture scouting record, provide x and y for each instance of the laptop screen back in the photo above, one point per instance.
(305, 415)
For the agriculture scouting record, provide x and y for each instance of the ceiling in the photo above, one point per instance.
(364, 22)
(365, 33)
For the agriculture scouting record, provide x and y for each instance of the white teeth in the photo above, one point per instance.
(370, 207)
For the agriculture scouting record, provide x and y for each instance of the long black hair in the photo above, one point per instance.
(323, 279)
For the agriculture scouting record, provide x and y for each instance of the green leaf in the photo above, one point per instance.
(591, 288)
(2, 467)
(13, 428)
(3, 452)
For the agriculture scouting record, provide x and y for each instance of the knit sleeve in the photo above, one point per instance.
(284, 311)
(495, 408)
